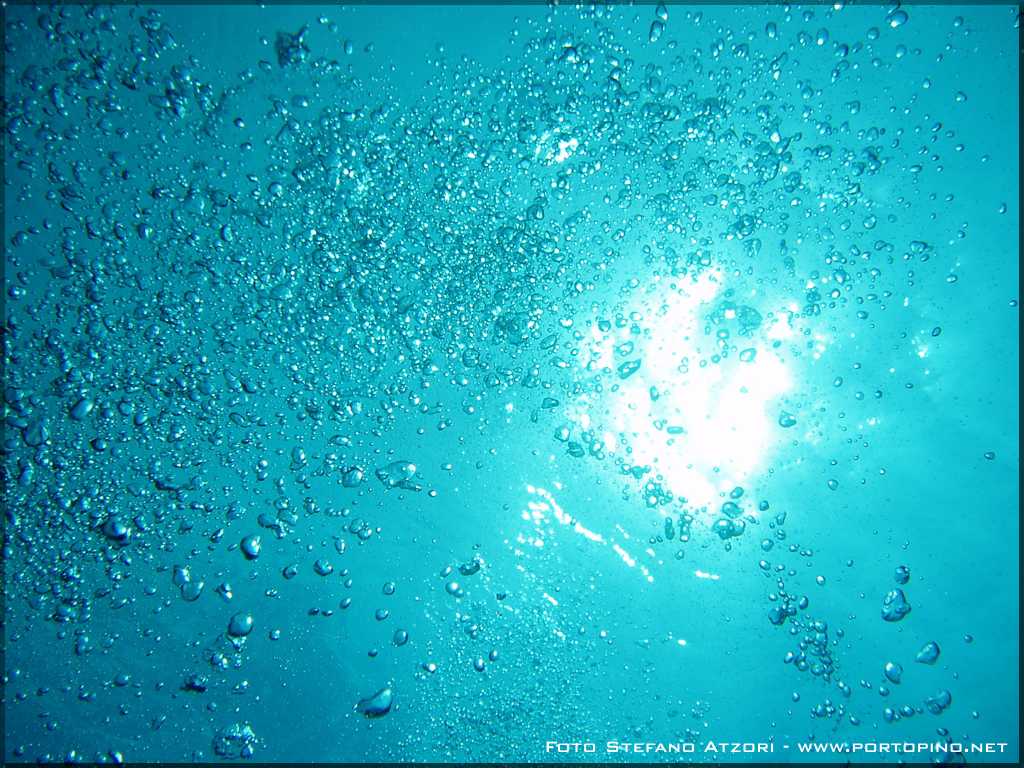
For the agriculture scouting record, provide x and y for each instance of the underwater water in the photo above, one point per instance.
(492, 383)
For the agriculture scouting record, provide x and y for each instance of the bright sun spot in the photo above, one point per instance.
(704, 428)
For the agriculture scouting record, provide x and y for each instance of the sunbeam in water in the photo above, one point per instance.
(703, 420)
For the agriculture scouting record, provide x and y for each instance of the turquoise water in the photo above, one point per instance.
(465, 383)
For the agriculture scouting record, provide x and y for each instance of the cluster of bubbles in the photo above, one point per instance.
(304, 254)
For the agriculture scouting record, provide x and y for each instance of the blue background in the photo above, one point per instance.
(397, 297)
